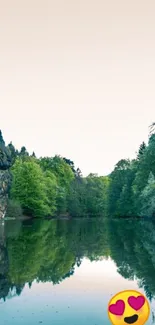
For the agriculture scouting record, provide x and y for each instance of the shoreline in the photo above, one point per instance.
(23, 218)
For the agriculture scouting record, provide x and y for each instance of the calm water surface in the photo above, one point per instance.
(65, 272)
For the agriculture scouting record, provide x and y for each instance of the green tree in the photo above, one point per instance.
(117, 186)
(64, 176)
(152, 128)
(59, 168)
(76, 199)
(147, 197)
(33, 154)
(28, 187)
(141, 150)
(96, 195)
(145, 165)
(23, 152)
(51, 190)
(71, 164)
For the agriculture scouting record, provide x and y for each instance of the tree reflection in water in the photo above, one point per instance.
(49, 251)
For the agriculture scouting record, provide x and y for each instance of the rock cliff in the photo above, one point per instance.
(5, 177)
(4, 188)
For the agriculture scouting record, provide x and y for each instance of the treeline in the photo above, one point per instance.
(132, 184)
(51, 186)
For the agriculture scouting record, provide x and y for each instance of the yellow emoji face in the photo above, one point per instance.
(128, 307)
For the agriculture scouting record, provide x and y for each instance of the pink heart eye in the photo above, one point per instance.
(117, 308)
(136, 302)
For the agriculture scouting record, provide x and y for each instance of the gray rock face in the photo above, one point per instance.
(5, 180)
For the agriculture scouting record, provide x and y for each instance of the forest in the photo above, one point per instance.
(51, 186)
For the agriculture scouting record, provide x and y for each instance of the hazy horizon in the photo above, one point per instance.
(78, 78)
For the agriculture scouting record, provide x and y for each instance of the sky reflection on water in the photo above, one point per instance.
(81, 299)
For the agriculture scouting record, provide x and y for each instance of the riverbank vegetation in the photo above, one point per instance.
(52, 186)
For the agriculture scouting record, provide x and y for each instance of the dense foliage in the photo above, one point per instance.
(52, 186)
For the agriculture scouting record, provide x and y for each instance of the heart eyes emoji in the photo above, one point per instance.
(128, 307)
(135, 302)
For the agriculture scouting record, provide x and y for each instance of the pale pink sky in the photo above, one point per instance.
(77, 78)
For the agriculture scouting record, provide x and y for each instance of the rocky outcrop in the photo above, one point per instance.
(5, 178)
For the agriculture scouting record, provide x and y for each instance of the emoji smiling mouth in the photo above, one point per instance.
(131, 319)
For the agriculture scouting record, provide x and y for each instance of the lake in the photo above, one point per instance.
(65, 271)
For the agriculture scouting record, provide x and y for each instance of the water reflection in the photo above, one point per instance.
(79, 261)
